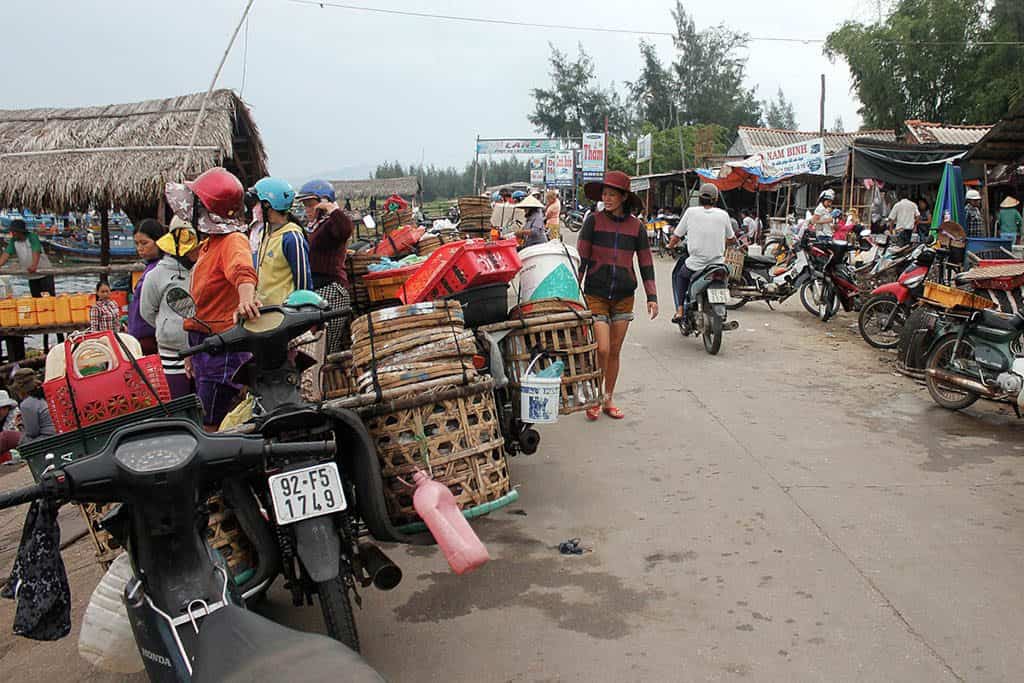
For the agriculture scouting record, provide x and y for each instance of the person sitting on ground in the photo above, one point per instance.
(282, 263)
(1009, 221)
(534, 231)
(105, 314)
(903, 218)
(35, 412)
(707, 231)
(180, 250)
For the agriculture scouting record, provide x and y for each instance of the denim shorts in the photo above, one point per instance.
(610, 310)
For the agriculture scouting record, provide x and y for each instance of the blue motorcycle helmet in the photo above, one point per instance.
(277, 192)
(518, 195)
(316, 189)
(305, 297)
(496, 197)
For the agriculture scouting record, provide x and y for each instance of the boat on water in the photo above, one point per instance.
(83, 252)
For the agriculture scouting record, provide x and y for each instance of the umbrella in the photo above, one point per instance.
(949, 204)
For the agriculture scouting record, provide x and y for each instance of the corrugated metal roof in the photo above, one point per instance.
(750, 140)
(1004, 142)
(925, 132)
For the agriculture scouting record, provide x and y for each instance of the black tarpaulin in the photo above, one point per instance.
(898, 164)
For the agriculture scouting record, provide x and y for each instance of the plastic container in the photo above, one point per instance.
(62, 309)
(106, 640)
(399, 242)
(46, 310)
(549, 272)
(483, 305)
(539, 397)
(79, 308)
(459, 266)
(386, 285)
(950, 297)
(436, 505)
(8, 313)
(27, 312)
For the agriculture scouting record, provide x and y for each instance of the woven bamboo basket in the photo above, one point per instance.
(452, 433)
(734, 259)
(222, 532)
(571, 336)
(358, 266)
(337, 377)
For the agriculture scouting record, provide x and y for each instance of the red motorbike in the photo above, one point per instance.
(883, 316)
(838, 285)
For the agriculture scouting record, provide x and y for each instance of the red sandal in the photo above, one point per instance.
(613, 412)
(593, 413)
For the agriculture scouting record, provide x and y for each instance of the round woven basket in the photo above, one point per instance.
(450, 432)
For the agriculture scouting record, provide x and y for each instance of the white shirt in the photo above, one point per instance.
(706, 229)
(905, 213)
(823, 221)
(750, 226)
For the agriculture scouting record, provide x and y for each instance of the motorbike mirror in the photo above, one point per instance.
(181, 302)
(369, 222)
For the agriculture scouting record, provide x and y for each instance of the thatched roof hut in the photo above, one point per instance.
(406, 186)
(122, 155)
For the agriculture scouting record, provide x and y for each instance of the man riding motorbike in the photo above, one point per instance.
(708, 230)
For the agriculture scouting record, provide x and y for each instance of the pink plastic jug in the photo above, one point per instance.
(436, 505)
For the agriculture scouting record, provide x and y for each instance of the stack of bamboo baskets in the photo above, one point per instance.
(474, 214)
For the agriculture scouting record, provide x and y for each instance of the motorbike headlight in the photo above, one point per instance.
(157, 453)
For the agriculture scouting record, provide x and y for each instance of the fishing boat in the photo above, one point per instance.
(83, 252)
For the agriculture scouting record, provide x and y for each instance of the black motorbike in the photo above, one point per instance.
(305, 515)
(184, 611)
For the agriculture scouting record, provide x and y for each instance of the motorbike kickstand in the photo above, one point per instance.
(769, 302)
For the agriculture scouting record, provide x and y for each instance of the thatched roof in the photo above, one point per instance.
(122, 155)
(384, 187)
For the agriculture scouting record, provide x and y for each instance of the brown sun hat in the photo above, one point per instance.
(618, 180)
(1009, 203)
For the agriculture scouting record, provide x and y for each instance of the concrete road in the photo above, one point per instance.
(790, 510)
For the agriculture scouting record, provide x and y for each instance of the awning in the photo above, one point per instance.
(901, 164)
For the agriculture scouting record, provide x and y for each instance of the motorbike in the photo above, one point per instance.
(660, 227)
(978, 359)
(573, 219)
(885, 313)
(765, 280)
(838, 284)
(184, 611)
(304, 515)
(706, 311)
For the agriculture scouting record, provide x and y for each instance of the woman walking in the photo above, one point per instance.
(553, 214)
(608, 243)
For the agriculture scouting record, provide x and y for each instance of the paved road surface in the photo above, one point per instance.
(787, 511)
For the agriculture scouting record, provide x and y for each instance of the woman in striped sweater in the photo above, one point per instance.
(607, 245)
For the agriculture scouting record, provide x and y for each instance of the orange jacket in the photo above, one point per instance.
(225, 262)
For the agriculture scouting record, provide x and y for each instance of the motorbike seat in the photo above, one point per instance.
(238, 646)
(1002, 321)
(760, 260)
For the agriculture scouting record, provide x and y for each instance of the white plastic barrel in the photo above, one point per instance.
(549, 271)
(106, 640)
(539, 397)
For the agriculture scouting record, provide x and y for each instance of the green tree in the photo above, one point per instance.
(1000, 76)
(899, 69)
(654, 91)
(779, 113)
(709, 75)
(575, 103)
(390, 170)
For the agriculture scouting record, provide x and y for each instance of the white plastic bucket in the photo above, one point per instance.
(549, 271)
(539, 397)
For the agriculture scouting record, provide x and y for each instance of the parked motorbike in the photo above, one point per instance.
(838, 285)
(978, 360)
(765, 280)
(706, 311)
(884, 314)
(573, 219)
(183, 609)
(304, 514)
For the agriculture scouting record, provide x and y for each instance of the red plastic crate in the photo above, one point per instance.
(458, 266)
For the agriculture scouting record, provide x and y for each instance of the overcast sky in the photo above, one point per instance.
(335, 90)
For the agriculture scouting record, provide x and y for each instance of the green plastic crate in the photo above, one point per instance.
(90, 440)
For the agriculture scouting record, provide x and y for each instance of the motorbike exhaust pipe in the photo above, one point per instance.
(961, 382)
(384, 573)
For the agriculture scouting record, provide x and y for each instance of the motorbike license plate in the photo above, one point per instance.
(307, 492)
(718, 295)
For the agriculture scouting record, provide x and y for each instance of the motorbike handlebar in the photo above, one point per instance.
(300, 448)
(23, 495)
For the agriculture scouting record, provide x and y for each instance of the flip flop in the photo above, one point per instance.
(593, 413)
(613, 412)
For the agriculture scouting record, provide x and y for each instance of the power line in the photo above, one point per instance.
(621, 31)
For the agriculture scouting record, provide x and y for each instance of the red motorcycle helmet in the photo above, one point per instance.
(220, 192)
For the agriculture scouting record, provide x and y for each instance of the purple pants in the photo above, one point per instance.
(213, 376)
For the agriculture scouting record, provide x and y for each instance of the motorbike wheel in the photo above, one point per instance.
(942, 357)
(575, 226)
(741, 302)
(337, 609)
(872, 320)
(712, 332)
(810, 293)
